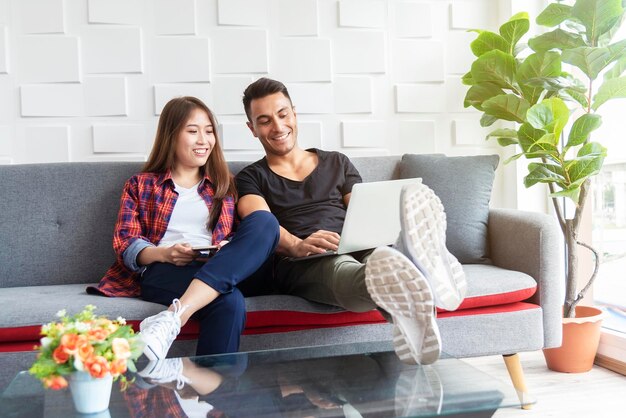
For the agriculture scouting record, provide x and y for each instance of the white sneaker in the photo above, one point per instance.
(165, 371)
(159, 331)
(396, 285)
(423, 240)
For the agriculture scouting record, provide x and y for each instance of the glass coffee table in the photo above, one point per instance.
(352, 380)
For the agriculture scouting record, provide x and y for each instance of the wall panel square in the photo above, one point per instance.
(52, 100)
(413, 20)
(41, 16)
(358, 51)
(4, 50)
(122, 138)
(122, 12)
(310, 98)
(112, 50)
(175, 17)
(417, 136)
(420, 98)
(181, 59)
(47, 58)
(236, 136)
(45, 144)
(362, 13)
(227, 94)
(228, 51)
(106, 96)
(298, 18)
(242, 12)
(418, 61)
(163, 93)
(366, 133)
(302, 60)
(353, 94)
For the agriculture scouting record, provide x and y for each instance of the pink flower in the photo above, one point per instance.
(121, 348)
(97, 366)
(55, 382)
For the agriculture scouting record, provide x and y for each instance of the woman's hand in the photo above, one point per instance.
(177, 254)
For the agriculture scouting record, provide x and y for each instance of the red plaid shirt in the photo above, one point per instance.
(146, 206)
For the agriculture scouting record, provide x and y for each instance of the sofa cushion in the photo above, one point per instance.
(491, 286)
(464, 186)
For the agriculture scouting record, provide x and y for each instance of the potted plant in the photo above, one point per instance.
(554, 111)
(91, 351)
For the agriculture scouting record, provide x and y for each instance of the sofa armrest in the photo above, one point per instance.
(530, 242)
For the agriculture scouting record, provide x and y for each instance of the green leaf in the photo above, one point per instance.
(505, 136)
(575, 96)
(467, 79)
(592, 149)
(582, 168)
(613, 88)
(536, 143)
(598, 16)
(507, 107)
(541, 64)
(513, 158)
(513, 30)
(582, 127)
(554, 14)
(556, 39)
(590, 60)
(543, 173)
(572, 193)
(478, 93)
(487, 120)
(550, 115)
(617, 69)
(495, 67)
(488, 41)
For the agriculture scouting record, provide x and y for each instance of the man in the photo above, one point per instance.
(308, 192)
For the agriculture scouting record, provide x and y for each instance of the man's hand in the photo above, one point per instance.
(316, 243)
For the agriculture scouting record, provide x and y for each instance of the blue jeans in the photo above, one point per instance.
(241, 268)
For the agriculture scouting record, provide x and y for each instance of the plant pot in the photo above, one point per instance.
(581, 336)
(90, 395)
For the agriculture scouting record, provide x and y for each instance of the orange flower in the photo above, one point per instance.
(71, 342)
(55, 382)
(97, 334)
(97, 366)
(85, 351)
(59, 355)
(118, 367)
(121, 348)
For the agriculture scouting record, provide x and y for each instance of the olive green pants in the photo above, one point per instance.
(334, 280)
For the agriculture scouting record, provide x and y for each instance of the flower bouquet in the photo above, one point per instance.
(85, 343)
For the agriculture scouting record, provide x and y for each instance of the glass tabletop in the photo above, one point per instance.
(351, 380)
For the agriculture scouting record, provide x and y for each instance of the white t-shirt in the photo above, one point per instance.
(188, 223)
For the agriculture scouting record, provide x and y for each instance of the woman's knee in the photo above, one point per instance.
(264, 221)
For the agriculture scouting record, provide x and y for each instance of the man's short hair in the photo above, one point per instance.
(261, 88)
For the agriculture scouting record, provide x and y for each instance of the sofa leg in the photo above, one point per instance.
(514, 367)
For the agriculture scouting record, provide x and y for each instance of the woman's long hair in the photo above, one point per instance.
(173, 119)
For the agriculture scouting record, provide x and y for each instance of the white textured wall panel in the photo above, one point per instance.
(357, 51)
(163, 93)
(473, 14)
(418, 61)
(459, 56)
(181, 59)
(47, 58)
(237, 136)
(372, 134)
(302, 60)
(5, 141)
(52, 100)
(298, 18)
(353, 94)
(41, 16)
(4, 53)
(228, 51)
(413, 20)
(310, 135)
(421, 98)
(46, 144)
(311, 98)
(4, 11)
(469, 132)
(228, 92)
(123, 12)
(106, 96)
(175, 17)
(362, 13)
(417, 136)
(112, 50)
(119, 138)
(242, 12)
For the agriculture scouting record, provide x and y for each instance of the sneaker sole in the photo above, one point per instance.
(397, 286)
(423, 235)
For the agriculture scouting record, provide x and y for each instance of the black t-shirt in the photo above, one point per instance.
(303, 207)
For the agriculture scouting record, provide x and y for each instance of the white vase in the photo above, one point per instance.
(90, 394)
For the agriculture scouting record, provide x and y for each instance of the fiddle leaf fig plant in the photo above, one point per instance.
(552, 90)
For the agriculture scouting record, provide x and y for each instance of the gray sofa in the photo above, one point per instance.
(56, 223)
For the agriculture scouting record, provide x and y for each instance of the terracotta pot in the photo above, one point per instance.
(581, 336)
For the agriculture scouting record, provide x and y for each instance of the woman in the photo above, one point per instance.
(185, 197)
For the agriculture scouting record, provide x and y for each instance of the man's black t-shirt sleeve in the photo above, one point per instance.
(352, 176)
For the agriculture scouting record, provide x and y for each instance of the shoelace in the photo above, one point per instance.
(163, 328)
(173, 368)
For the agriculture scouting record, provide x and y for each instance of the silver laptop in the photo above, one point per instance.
(372, 219)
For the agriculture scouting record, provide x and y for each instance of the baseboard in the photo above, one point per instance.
(610, 363)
